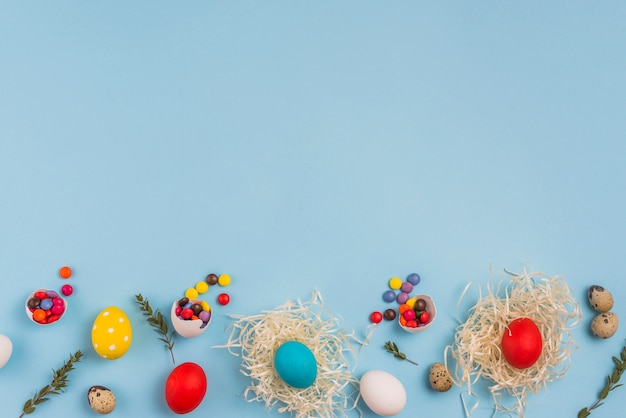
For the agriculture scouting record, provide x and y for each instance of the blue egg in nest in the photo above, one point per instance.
(295, 364)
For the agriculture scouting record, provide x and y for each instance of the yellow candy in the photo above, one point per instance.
(202, 287)
(191, 293)
(224, 280)
(395, 283)
(205, 305)
(411, 303)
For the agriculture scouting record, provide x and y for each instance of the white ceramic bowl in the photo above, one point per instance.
(29, 314)
(188, 328)
(430, 308)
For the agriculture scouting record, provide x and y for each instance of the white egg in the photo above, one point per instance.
(6, 348)
(383, 393)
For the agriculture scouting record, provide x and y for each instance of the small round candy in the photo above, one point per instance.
(223, 299)
(202, 287)
(186, 313)
(57, 309)
(191, 293)
(204, 316)
(196, 308)
(52, 294)
(223, 280)
(33, 302)
(67, 289)
(39, 315)
(424, 317)
(411, 303)
(205, 305)
(420, 305)
(403, 308)
(389, 296)
(183, 301)
(395, 283)
(403, 297)
(40, 295)
(413, 278)
(389, 314)
(178, 310)
(409, 315)
(57, 301)
(212, 279)
(45, 304)
(52, 318)
(376, 317)
(411, 324)
(65, 272)
(407, 287)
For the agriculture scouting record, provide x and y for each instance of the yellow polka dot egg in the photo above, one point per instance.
(111, 333)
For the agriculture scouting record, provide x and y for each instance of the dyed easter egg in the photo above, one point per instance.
(6, 348)
(185, 388)
(522, 343)
(383, 393)
(295, 364)
(111, 333)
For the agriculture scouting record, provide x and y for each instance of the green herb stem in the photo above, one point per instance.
(155, 319)
(393, 349)
(611, 384)
(59, 382)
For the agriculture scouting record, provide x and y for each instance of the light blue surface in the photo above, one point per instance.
(301, 146)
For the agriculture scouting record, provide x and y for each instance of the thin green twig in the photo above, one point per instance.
(611, 383)
(393, 349)
(155, 319)
(59, 382)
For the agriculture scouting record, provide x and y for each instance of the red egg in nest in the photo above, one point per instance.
(185, 388)
(522, 343)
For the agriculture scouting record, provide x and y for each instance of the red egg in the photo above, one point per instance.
(522, 343)
(185, 388)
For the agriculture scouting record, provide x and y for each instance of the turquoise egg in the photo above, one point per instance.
(295, 364)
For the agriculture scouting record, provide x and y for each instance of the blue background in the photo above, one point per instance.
(301, 146)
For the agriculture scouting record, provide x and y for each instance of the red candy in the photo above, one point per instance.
(40, 295)
(424, 317)
(409, 315)
(67, 289)
(186, 313)
(223, 299)
(376, 317)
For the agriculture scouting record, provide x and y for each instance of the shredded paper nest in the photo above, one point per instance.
(548, 301)
(256, 338)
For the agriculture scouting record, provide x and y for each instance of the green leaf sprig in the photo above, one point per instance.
(59, 382)
(393, 349)
(155, 319)
(611, 383)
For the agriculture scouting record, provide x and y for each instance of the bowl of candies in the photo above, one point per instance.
(417, 314)
(190, 318)
(45, 307)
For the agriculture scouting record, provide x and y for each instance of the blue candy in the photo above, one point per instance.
(389, 296)
(45, 304)
(413, 278)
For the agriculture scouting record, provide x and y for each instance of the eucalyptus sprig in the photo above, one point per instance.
(393, 349)
(611, 383)
(59, 382)
(155, 319)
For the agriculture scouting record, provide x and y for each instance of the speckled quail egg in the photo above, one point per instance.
(600, 298)
(101, 399)
(604, 325)
(440, 377)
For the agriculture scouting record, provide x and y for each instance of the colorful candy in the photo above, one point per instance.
(223, 280)
(45, 306)
(223, 299)
(65, 272)
(67, 289)
(376, 317)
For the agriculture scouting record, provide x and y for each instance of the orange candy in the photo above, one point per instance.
(39, 315)
(402, 321)
(65, 272)
(403, 308)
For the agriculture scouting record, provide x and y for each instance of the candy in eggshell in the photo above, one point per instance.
(111, 333)
(6, 348)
